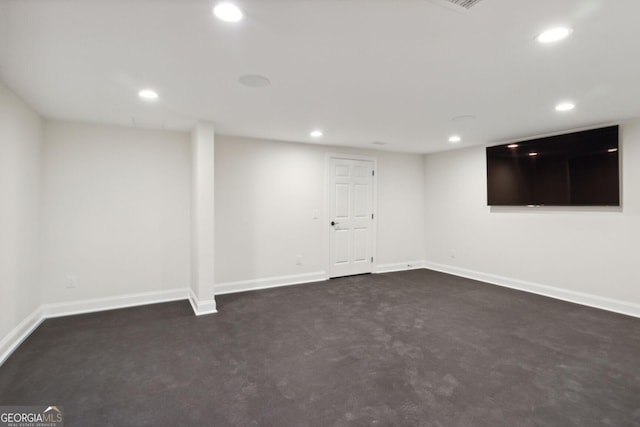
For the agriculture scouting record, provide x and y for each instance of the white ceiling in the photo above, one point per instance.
(395, 71)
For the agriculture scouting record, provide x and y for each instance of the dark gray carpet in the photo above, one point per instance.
(415, 348)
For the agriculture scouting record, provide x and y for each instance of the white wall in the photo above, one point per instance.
(401, 205)
(20, 156)
(266, 195)
(116, 211)
(579, 250)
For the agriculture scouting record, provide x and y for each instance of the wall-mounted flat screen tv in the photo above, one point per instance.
(574, 169)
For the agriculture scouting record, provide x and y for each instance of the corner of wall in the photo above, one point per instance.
(21, 136)
(21, 332)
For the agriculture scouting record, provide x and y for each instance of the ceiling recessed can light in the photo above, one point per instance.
(533, 154)
(254, 80)
(454, 139)
(512, 146)
(148, 94)
(554, 34)
(316, 133)
(565, 106)
(612, 150)
(464, 118)
(228, 12)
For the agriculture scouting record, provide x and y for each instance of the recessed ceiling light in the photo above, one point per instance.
(464, 118)
(316, 133)
(533, 154)
(148, 94)
(228, 12)
(612, 150)
(565, 106)
(454, 139)
(512, 146)
(554, 35)
(254, 80)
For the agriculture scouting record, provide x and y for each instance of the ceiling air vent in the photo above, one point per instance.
(459, 5)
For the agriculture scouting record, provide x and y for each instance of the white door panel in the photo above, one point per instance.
(362, 202)
(342, 196)
(360, 244)
(341, 245)
(342, 170)
(350, 196)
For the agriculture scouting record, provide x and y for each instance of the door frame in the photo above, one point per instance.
(327, 227)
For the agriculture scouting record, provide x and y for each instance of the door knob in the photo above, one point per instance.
(334, 223)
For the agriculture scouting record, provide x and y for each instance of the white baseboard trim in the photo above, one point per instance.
(399, 266)
(17, 335)
(13, 339)
(603, 303)
(270, 282)
(112, 303)
(200, 308)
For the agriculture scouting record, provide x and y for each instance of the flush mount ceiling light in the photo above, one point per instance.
(454, 139)
(554, 35)
(565, 106)
(254, 80)
(228, 12)
(148, 94)
(316, 133)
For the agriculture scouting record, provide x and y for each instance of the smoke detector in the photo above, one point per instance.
(457, 5)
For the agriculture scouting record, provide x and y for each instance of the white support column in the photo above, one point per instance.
(202, 219)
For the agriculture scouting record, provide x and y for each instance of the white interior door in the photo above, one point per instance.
(351, 216)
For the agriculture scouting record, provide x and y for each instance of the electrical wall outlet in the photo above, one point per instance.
(72, 281)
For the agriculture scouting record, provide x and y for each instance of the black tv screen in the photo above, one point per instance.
(575, 169)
